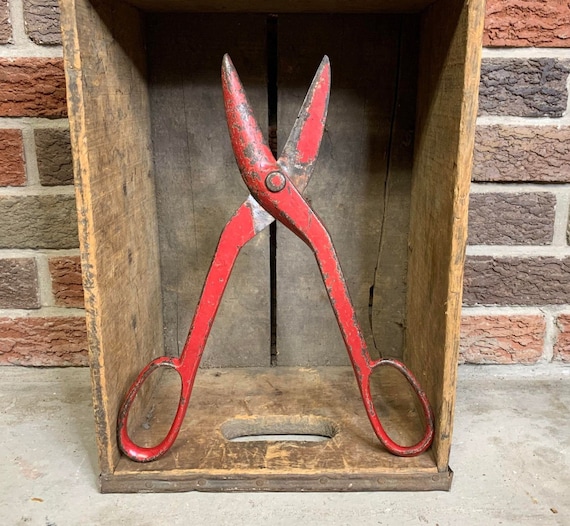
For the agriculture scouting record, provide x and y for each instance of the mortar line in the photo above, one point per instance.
(502, 310)
(526, 52)
(519, 251)
(561, 216)
(20, 123)
(48, 312)
(550, 335)
(15, 253)
(516, 187)
(47, 298)
(30, 157)
(36, 190)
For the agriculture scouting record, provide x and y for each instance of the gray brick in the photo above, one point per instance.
(511, 219)
(5, 24)
(46, 221)
(19, 284)
(516, 281)
(523, 87)
(53, 151)
(41, 18)
(522, 153)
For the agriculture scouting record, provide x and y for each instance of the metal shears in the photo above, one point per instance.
(275, 194)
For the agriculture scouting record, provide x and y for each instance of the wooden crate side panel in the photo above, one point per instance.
(109, 119)
(285, 6)
(198, 183)
(358, 192)
(447, 103)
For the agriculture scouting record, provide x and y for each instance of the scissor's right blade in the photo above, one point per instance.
(301, 150)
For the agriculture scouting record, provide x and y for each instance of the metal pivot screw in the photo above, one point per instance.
(275, 181)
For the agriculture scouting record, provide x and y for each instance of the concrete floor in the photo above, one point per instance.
(511, 458)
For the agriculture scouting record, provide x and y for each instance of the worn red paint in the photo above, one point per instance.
(284, 203)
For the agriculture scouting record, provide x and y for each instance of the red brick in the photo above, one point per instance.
(527, 23)
(32, 87)
(5, 24)
(562, 345)
(539, 154)
(54, 342)
(12, 168)
(502, 339)
(66, 281)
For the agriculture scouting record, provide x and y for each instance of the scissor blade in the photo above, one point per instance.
(253, 156)
(300, 153)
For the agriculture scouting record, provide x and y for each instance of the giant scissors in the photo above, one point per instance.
(275, 194)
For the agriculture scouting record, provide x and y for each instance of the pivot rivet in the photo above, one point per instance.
(275, 181)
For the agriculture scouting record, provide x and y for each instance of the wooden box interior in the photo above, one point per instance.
(156, 182)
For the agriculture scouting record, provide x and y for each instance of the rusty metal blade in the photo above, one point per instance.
(253, 156)
(300, 153)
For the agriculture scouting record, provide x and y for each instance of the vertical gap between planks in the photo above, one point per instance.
(272, 65)
(389, 150)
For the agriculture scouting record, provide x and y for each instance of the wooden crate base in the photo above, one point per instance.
(278, 401)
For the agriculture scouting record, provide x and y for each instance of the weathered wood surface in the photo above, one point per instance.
(285, 6)
(447, 109)
(360, 187)
(110, 134)
(273, 401)
(198, 184)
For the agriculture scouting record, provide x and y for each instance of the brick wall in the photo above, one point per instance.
(41, 317)
(517, 280)
(517, 284)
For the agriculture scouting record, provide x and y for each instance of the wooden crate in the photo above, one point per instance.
(156, 182)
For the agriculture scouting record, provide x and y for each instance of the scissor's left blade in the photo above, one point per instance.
(253, 156)
(300, 153)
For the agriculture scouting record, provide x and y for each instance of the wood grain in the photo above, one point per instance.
(306, 399)
(110, 135)
(348, 187)
(284, 6)
(447, 108)
(198, 184)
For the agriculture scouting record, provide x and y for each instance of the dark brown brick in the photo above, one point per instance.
(43, 221)
(53, 342)
(41, 18)
(528, 23)
(53, 151)
(502, 339)
(12, 169)
(32, 87)
(511, 219)
(522, 153)
(5, 24)
(562, 345)
(516, 281)
(523, 87)
(66, 281)
(19, 284)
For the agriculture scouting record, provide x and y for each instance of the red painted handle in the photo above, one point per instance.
(127, 445)
(392, 446)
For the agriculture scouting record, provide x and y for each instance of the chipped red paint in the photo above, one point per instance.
(282, 201)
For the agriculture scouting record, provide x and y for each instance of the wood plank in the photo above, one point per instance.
(198, 184)
(447, 108)
(105, 69)
(388, 298)
(274, 401)
(285, 6)
(347, 188)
